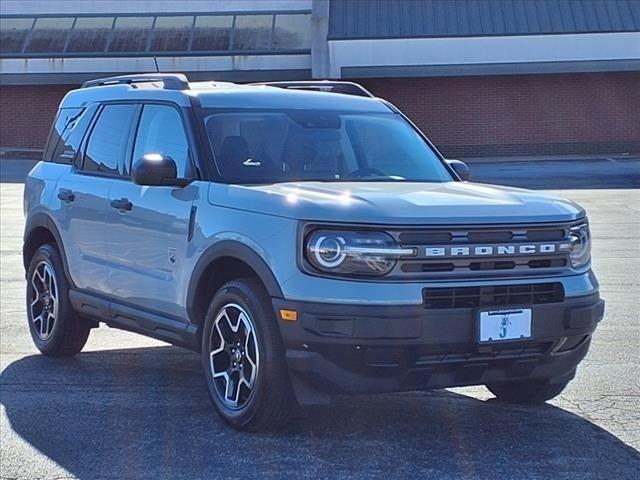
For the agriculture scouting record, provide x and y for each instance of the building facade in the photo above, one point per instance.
(480, 77)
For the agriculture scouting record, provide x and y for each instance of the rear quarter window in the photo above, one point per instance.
(67, 133)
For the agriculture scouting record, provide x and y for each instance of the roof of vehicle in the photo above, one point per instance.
(322, 95)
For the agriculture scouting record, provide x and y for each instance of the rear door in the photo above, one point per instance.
(83, 192)
(148, 227)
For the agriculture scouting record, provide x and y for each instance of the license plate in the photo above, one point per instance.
(507, 324)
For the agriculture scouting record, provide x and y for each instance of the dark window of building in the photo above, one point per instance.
(107, 144)
(212, 33)
(90, 34)
(292, 32)
(252, 32)
(161, 131)
(49, 35)
(171, 34)
(13, 32)
(131, 34)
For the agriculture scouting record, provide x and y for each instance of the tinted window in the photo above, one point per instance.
(13, 32)
(67, 133)
(90, 34)
(131, 34)
(171, 34)
(107, 144)
(161, 131)
(310, 145)
(292, 32)
(59, 130)
(212, 33)
(49, 35)
(252, 32)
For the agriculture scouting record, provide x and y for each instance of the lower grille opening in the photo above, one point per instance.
(493, 296)
(465, 353)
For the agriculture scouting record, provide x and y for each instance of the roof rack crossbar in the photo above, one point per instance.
(348, 88)
(171, 81)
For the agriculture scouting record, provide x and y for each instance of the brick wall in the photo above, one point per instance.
(525, 114)
(463, 116)
(26, 113)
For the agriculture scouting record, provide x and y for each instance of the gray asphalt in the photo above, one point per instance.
(131, 407)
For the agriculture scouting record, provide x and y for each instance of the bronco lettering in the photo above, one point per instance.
(485, 250)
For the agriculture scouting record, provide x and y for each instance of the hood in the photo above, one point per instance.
(397, 203)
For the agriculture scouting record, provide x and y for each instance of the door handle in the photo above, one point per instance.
(66, 195)
(122, 204)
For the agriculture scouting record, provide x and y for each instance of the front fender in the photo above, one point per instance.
(237, 250)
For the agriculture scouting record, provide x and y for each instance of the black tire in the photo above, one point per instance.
(530, 392)
(64, 334)
(270, 401)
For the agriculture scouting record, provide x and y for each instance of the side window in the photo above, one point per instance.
(62, 127)
(161, 131)
(68, 144)
(107, 144)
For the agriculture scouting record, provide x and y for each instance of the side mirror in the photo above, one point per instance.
(157, 170)
(461, 169)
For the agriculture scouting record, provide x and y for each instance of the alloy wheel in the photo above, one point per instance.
(234, 356)
(44, 300)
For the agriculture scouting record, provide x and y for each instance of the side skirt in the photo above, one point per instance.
(133, 319)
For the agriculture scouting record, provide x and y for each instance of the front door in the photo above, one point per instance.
(148, 227)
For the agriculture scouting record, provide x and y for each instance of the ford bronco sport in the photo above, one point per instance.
(306, 238)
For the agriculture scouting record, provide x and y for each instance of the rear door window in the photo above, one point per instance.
(107, 144)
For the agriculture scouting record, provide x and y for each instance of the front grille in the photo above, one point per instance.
(483, 235)
(483, 251)
(493, 296)
(485, 265)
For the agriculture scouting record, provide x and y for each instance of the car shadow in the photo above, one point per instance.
(145, 413)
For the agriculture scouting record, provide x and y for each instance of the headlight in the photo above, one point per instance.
(357, 253)
(579, 245)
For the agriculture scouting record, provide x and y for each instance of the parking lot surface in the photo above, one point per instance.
(131, 407)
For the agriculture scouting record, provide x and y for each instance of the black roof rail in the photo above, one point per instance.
(171, 81)
(348, 88)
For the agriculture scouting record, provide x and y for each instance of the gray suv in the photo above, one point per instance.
(306, 239)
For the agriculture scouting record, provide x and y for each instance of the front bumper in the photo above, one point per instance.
(334, 348)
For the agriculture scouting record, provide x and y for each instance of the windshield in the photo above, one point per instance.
(311, 145)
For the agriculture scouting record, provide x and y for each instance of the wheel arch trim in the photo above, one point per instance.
(44, 220)
(238, 251)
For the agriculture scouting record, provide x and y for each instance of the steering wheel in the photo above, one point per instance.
(365, 172)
